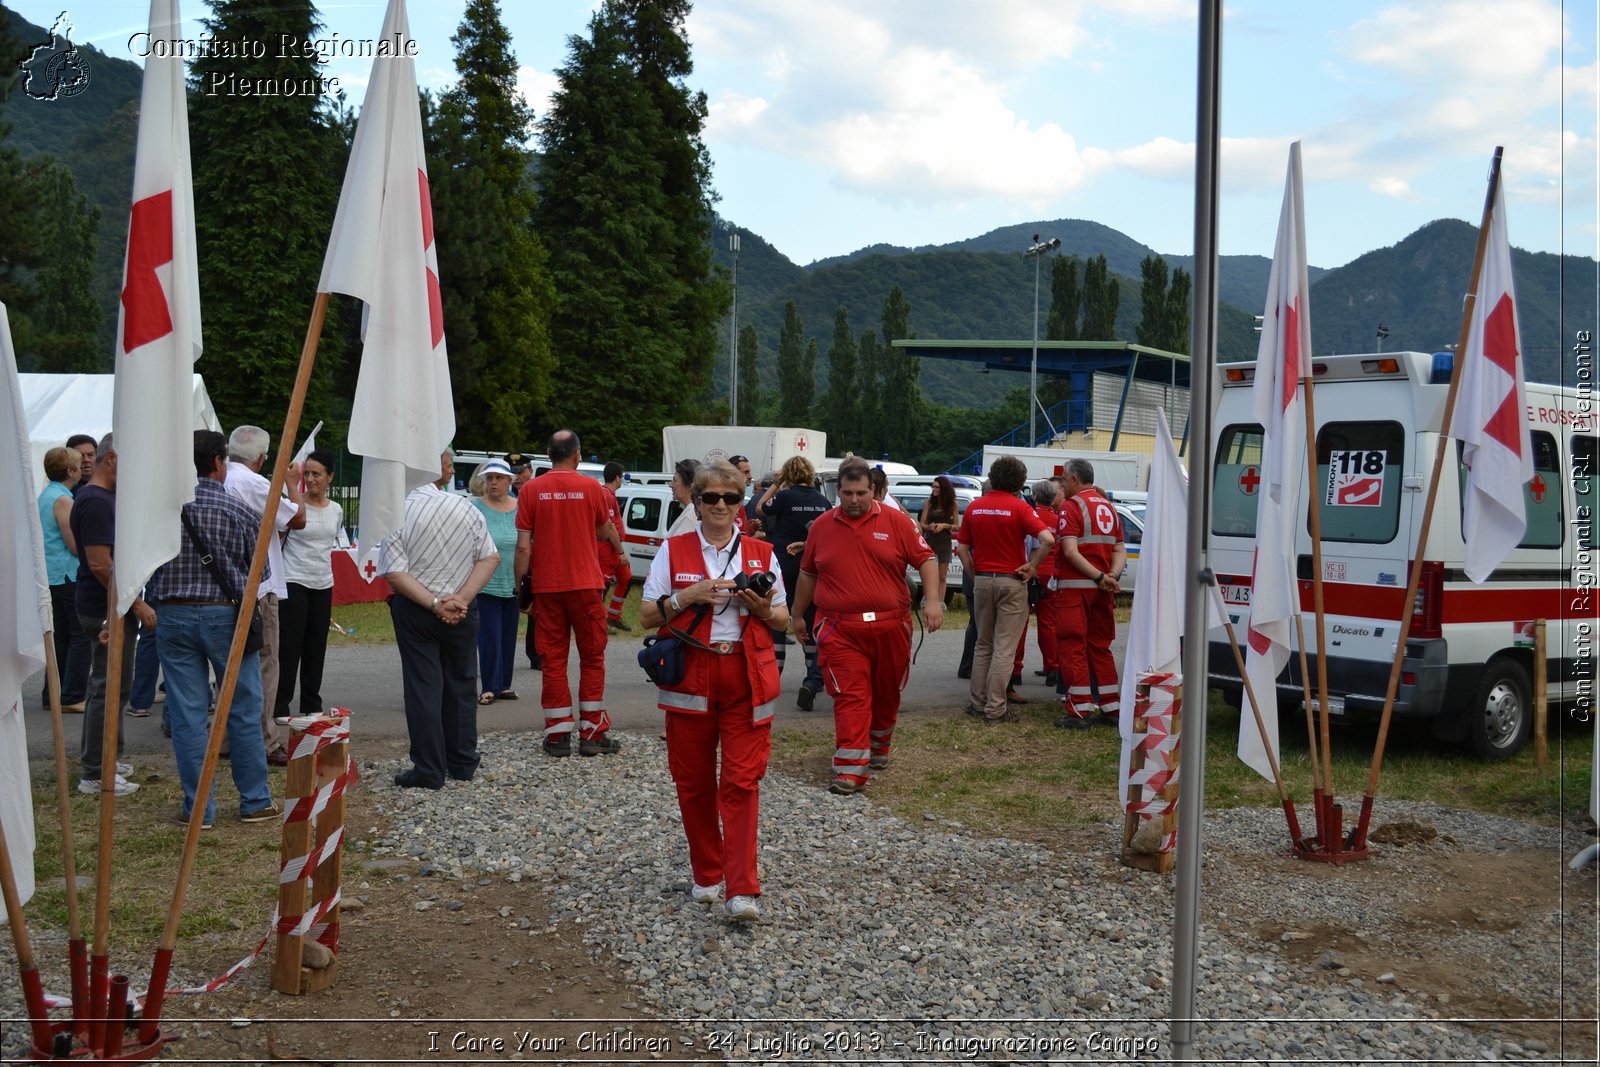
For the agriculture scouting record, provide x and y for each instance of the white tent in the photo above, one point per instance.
(60, 405)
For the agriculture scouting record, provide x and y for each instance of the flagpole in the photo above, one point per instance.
(1311, 723)
(32, 988)
(1197, 614)
(1327, 831)
(1359, 835)
(78, 951)
(1261, 726)
(100, 961)
(162, 965)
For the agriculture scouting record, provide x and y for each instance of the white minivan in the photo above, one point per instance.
(648, 512)
(1468, 663)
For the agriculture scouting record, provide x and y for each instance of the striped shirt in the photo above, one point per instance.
(229, 530)
(442, 537)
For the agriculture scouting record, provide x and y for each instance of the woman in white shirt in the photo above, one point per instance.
(304, 615)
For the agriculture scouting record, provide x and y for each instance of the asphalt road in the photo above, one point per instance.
(366, 679)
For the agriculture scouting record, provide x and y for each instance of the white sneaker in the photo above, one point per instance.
(704, 894)
(124, 769)
(743, 909)
(122, 787)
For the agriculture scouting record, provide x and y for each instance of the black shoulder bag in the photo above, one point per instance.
(254, 641)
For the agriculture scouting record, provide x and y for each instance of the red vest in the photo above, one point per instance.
(1090, 518)
(761, 660)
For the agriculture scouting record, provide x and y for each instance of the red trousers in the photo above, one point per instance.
(619, 576)
(1046, 614)
(572, 615)
(720, 816)
(1085, 627)
(864, 666)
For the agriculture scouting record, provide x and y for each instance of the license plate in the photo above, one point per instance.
(1335, 704)
(1236, 594)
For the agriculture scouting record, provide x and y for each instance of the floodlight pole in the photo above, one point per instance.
(1036, 252)
(733, 337)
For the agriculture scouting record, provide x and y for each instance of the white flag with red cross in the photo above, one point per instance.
(1490, 417)
(1281, 361)
(25, 616)
(382, 253)
(158, 328)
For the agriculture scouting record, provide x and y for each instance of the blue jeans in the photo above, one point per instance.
(146, 666)
(195, 640)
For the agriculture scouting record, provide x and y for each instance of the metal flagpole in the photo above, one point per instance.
(1203, 345)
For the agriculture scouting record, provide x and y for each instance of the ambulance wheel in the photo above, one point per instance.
(1501, 716)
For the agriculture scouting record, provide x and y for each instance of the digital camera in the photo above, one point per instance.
(760, 582)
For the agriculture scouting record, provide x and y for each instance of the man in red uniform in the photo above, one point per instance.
(854, 566)
(564, 511)
(1091, 558)
(1044, 612)
(991, 542)
(614, 567)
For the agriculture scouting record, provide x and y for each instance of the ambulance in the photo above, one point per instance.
(1469, 660)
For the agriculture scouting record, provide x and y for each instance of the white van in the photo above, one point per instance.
(1469, 656)
(648, 512)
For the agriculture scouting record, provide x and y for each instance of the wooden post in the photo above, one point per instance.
(308, 773)
(1162, 860)
(1541, 697)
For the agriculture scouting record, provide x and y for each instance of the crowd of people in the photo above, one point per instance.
(743, 567)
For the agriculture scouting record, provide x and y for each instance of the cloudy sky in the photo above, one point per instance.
(841, 123)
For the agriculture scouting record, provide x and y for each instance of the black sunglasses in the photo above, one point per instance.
(730, 499)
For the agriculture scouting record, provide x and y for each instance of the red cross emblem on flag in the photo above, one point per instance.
(145, 315)
(1249, 478)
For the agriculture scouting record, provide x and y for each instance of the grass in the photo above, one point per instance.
(235, 872)
(1032, 779)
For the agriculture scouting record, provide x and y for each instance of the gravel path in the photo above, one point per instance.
(946, 944)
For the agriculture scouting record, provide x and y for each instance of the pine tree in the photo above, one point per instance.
(1152, 328)
(1065, 297)
(1102, 294)
(625, 211)
(902, 396)
(796, 381)
(497, 291)
(869, 395)
(749, 378)
(267, 171)
(1176, 337)
(843, 398)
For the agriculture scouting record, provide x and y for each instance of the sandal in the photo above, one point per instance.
(487, 698)
(506, 694)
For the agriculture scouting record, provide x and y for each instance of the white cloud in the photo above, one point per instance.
(537, 87)
(1393, 187)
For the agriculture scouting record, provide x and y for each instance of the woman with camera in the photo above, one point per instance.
(717, 591)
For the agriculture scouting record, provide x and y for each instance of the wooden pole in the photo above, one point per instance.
(241, 629)
(1359, 835)
(1311, 722)
(33, 991)
(99, 964)
(1541, 697)
(296, 845)
(1314, 512)
(1261, 725)
(78, 951)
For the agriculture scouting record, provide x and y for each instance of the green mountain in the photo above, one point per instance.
(93, 133)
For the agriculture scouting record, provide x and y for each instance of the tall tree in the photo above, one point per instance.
(796, 376)
(840, 420)
(1152, 328)
(869, 395)
(1102, 295)
(625, 211)
(493, 277)
(1065, 297)
(267, 171)
(749, 378)
(902, 396)
(1176, 319)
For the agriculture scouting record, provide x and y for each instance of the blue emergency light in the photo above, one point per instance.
(1443, 366)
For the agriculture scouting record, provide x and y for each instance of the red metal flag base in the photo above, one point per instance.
(1330, 827)
(84, 1054)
